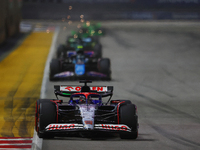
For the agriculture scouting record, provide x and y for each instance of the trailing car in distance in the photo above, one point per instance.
(76, 44)
(80, 65)
(92, 29)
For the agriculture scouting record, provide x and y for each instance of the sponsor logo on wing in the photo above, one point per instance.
(63, 126)
(79, 69)
(88, 122)
(113, 127)
(78, 88)
(99, 89)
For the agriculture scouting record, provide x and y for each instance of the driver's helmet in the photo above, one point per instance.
(80, 58)
(82, 100)
(89, 100)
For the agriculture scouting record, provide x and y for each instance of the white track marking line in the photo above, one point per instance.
(46, 70)
(37, 142)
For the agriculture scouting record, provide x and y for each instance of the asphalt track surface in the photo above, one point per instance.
(156, 65)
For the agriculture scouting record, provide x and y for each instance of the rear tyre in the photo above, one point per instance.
(47, 115)
(95, 39)
(60, 50)
(37, 112)
(129, 117)
(104, 67)
(37, 107)
(54, 69)
(98, 50)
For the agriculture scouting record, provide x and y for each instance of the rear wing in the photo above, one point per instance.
(86, 53)
(68, 90)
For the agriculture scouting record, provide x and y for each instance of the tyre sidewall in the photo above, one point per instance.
(129, 117)
(54, 68)
(60, 49)
(104, 65)
(47, 115)
(98, 50)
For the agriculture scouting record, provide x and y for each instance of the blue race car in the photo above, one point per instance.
(80, 65)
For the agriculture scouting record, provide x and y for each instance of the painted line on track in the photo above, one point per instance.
(15, 143)
(37, 142)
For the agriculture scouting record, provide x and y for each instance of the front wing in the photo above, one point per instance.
(80, 127)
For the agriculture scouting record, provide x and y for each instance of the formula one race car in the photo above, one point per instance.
(76, 44)
(80, 65)
(85, 113)
(90, 29)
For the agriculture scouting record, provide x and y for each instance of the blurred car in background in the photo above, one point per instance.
(80, 65)
(75, 44)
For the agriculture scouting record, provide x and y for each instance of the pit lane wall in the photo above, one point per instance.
(112, 9)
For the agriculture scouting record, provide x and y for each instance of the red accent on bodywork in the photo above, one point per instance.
(88, 122)
(69, 88)
(115, 101)
(78, 88)
(118, 110)
(57, 101)
(114, 127)
(86, 94)
(59, 127)
(97, 88)
(56, 110)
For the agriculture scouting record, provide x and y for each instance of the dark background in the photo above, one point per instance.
(112, 9)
